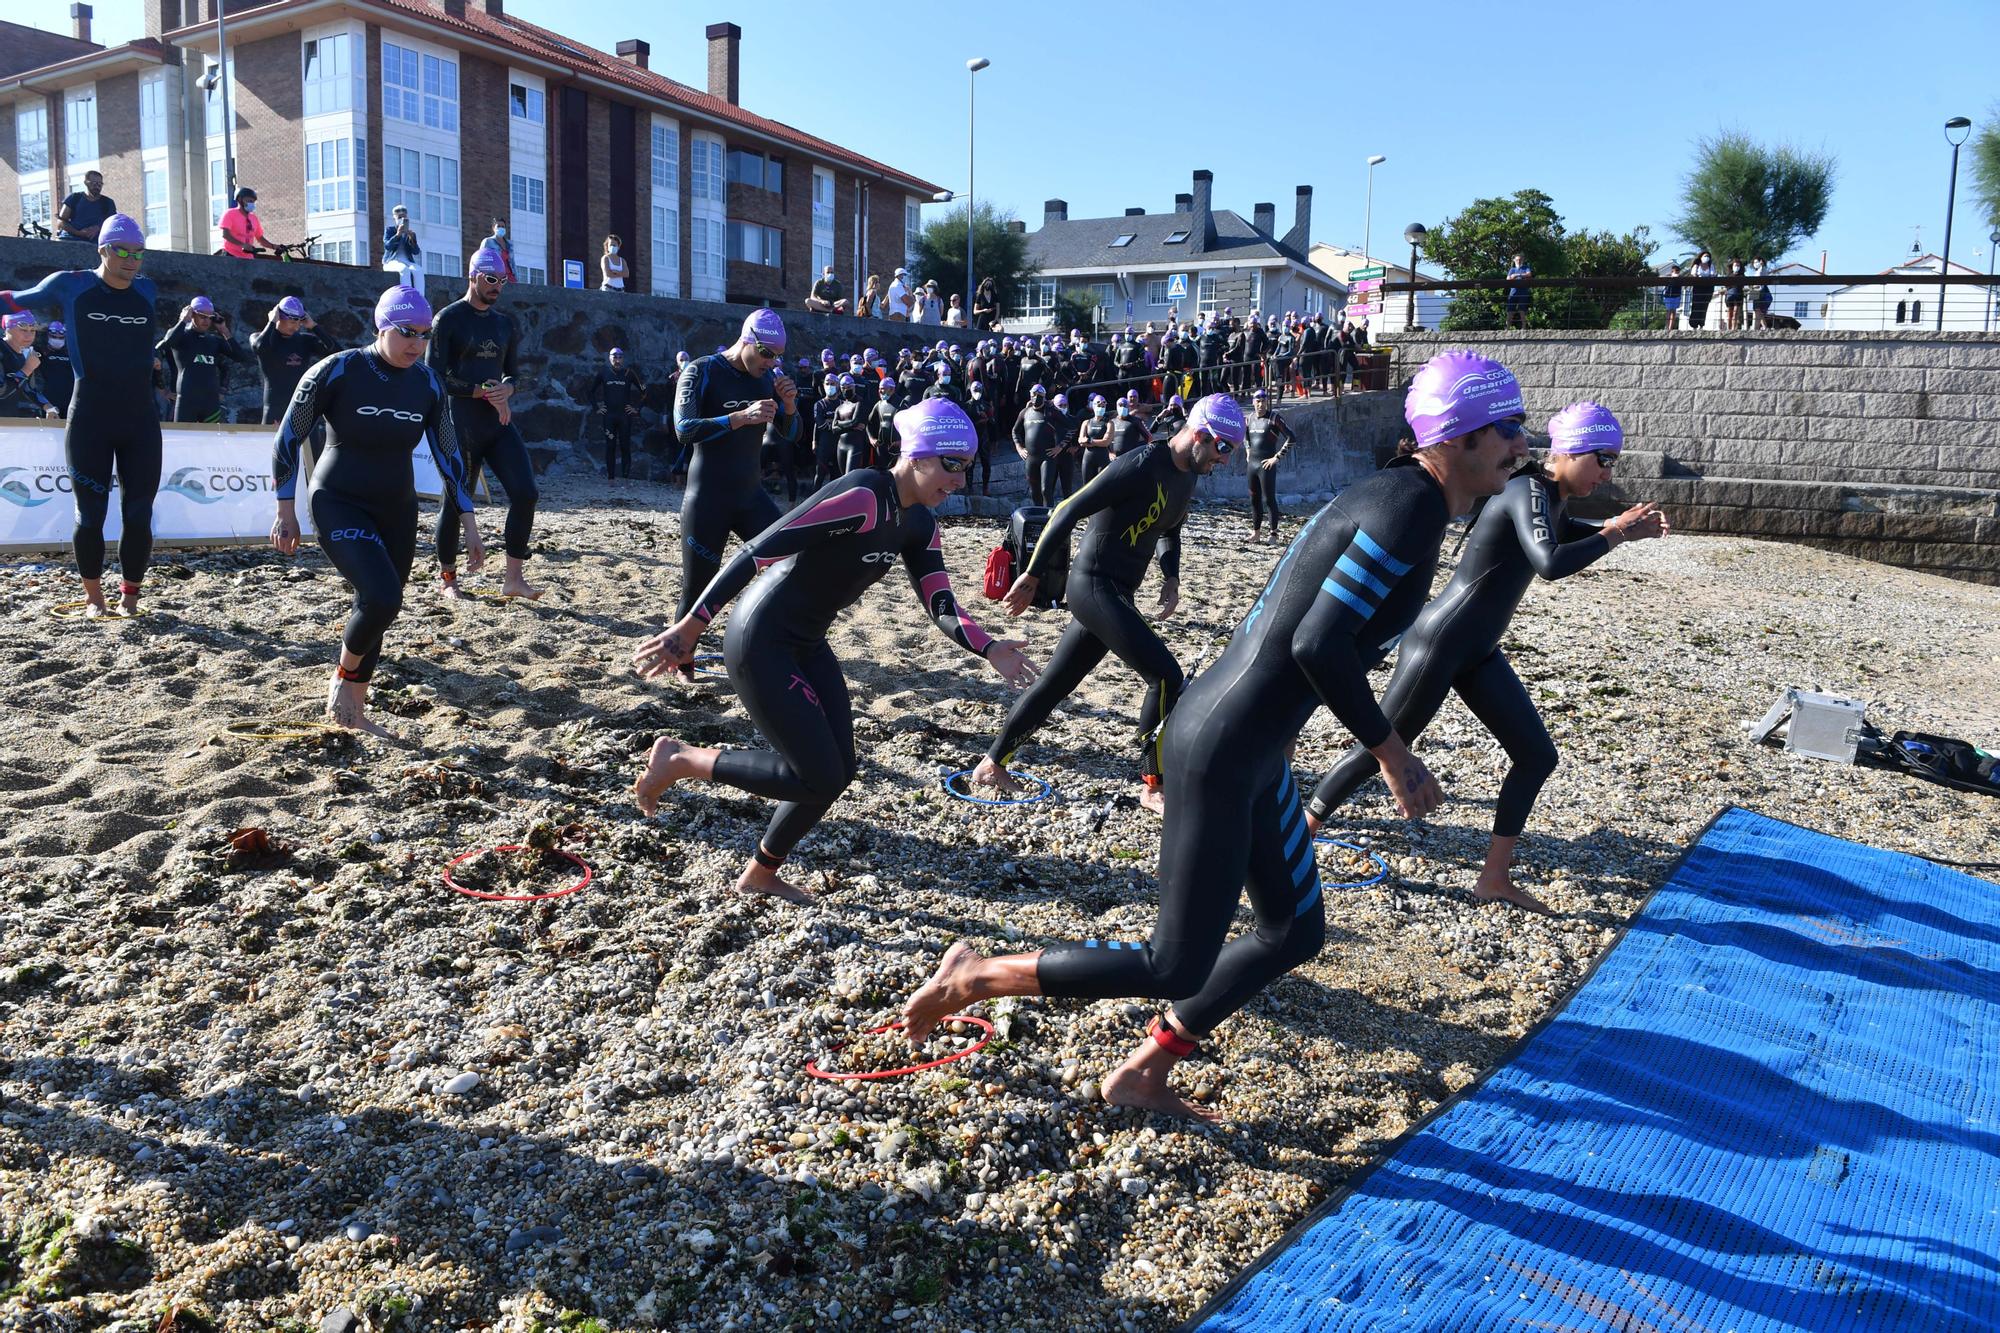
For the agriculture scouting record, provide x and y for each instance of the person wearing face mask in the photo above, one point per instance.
(197, 346)
(1210, 352)
(825, 297)
(850, 426)
(881, 450)
(500, 245)
(1036, 440)
(795, 578)
(284, 347)
(612, 268)
(725, 401)
(826, 434)
(1093, 437)
(1454, 647)
(1128, 362)
(1350, 583)
(242, 230)
(616, 391)
(911, 380)
(1061, 480)
(58, 372)
(1128, 432)
(378, 403)
(1732, 297)
(986, 306)
(947, 387)
(1266, 440)
(1700, 293)
(20, 395)
(979, 407)
(475, 350)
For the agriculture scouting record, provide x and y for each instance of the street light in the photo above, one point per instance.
(972, 68)
(1413, 233)
(1368, 218)
(1993, 247)
(1964, 127)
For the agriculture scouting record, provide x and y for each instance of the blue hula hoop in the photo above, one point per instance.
(709, 664)
(970, 799)
(1380, 875)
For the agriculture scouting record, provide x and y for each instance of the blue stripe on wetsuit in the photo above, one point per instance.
(1365, 599)
(1378, 554)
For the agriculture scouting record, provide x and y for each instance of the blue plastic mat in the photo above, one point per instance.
(1774, 1105)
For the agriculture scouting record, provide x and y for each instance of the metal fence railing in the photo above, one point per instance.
(1912, 302)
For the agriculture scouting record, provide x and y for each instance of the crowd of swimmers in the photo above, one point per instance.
(1214, 757)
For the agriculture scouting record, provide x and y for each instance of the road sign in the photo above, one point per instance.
(1364, 285)
(1378, 271)
(573, 273)
(1177, 287)
(1128, 307)
(1361, 311)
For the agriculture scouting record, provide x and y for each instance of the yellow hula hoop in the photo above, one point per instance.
(75, 611)
(277, 729)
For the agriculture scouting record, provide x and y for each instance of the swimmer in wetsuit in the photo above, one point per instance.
(288, 343)
(1093, 437)
(1269, 439)
(1168, 421)
(473, 350)
(1455, 643)
(197, 347)
(1139, 502)
(721, 407)
(827, 552)
(1128, 433)
(20, 396)
(112, 417)
(1351, 581)
(378, 404)
(1036, 441)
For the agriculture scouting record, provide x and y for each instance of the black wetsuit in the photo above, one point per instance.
(1035, 431)
(983, 414)
(20, 395)
(197, 359)
(113, 418)
(828, 551)
(1139, 502)
(1096, 445)
(826, 441)
(470, 349)
(1455, 645)
(1167, 422)
(1265, 437)
(1351, 581)
(58, 374)
(284, 360)
(850, 435)
(882, 434)
(612, 392)
(724, 491)
(362, 495)
(1127, 433)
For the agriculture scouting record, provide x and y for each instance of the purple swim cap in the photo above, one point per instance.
(487, 259)
(19, 319)
(1219, 415)
(118, 229)
(56, 328)
(935, 426)
(764, 326)
(1036, 390)
(1583, 428)
(826, 356)
(616, 351)
(1457, 393)
(1176, 401)
(1062, 402)
(845, 381)
(201, 305)
(402, 305)
(292, 308)
(870, 355)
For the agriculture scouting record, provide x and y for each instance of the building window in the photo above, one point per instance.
(667, 157)
(755, 169)
(706, 236)
(424, 183)
(1101, 295)
(1916, 312)
(329, 74)
(1156, 292)
(528, 104)
(1798, 310)
(225, 85)
(335, 172)
(666, 250)
(1902, 307)
(539, 277)
(750, 243)
(153, 110)
(1204, 295)
(822, 216)
(218, 201)
(1035, 300)
(336, 252)
(1175, 237)
(419, 88)
(35, 207)
(913, 230)
(31, 137)
(1124, 239)
(528, 195)
(705, 169)
(80, 125)
(155, 182)
(1257, 290)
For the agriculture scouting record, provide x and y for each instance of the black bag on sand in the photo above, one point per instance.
(1945, 759)
(1024, 529)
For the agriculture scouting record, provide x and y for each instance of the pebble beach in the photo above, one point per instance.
(261, 1068)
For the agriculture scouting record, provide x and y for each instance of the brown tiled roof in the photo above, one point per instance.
(23, 48)
(91, 52)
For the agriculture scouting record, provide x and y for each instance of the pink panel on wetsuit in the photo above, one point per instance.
(940, 582)
(857, 503)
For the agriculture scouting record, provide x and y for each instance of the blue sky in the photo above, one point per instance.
(1115, 106)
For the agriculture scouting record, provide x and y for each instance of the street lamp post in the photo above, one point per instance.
(1964, 127)
(1368, 216)
(1413, 233)
(972, 68)
(1992, 248)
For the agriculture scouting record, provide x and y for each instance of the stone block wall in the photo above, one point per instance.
(1885, 445)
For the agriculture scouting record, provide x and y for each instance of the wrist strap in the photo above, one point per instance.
(1172, 1042)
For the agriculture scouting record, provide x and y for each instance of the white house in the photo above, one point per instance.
(1908, 305)
(1390, 314)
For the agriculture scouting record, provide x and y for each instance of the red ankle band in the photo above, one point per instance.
(345, 674)
(1171, 1041)
(129, 589)
(448, 575)
(1152, 781)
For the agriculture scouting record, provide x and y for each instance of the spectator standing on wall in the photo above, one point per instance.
(933, 304)
(1761, 300)
(1702, 292)
(918, 301)
(84, 212)
(1732, 297)
(1517, 297)
(954, 315)
(1670, 297)
(985, 315)
(242, 230)
(825, 298)
(400, 252)
(871, 298)
(612, 267)
(897, 306)
(498, 242)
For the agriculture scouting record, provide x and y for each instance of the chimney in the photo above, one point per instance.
(634, 50)
(79, 22)
(1299, 237)
(1135, 212)
(724, 62)
(1018, 227)
(1055, 210)
(162, 16)
(1201, 230)
(494, 8)
(1183, 203)
(1264, 217)
(454, 9)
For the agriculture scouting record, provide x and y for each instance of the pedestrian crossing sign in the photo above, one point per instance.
(1177, 287)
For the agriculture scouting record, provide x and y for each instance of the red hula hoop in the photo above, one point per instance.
(812, 1066)
(456, 887)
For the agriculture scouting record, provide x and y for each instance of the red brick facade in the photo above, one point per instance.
(484, 191)
(266, 107)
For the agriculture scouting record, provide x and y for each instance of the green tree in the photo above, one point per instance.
(1601, 254)
(1742, 199)
(1481, 242)
(997, 253)
(1074, 310)
(1985, 148)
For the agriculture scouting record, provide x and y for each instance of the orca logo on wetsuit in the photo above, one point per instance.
(397, 413)
(117, 319)
(878, 557)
